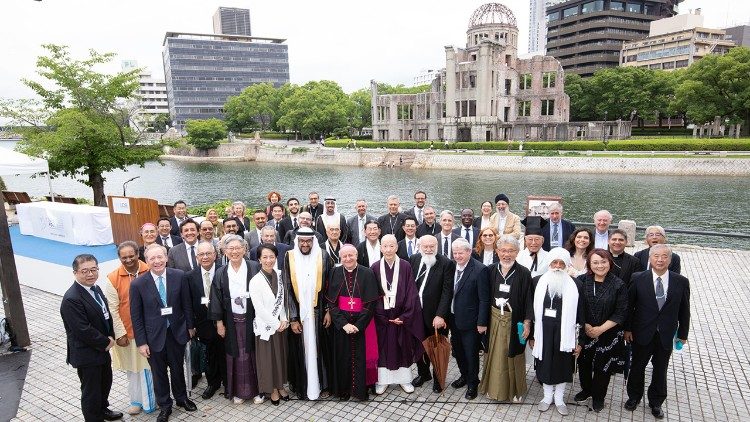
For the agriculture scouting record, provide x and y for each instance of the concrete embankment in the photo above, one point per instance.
(474, 160)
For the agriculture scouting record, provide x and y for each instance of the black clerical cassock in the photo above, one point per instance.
(351, 296)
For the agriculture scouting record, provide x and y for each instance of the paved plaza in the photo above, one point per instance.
(708, 381)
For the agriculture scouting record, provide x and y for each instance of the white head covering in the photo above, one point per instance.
(558, 253)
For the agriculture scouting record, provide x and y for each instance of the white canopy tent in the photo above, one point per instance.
(14, 163)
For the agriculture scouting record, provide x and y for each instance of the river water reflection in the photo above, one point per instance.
(697, 203)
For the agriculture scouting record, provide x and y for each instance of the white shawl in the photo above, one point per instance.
(269, 309)
(567, 319)
(389, 298)
(373, 252)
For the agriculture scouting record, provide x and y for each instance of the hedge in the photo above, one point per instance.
(647, 144)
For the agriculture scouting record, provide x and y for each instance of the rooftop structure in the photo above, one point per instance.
(740, 35)
(232, 21)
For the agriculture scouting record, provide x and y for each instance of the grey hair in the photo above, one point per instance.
(555, 206)
(603, 212)
(461, 243)
(267, 228)
(659, 229)
(234, 238)
(393, 197)
(658, 247)
(235, 203)
(446, 212)
(508, 240)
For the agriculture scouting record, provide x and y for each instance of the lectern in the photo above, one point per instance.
(129, 214)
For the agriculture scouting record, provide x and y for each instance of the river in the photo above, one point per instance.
(694, 203)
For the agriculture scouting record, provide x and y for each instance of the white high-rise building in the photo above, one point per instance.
(537, 27)
(152, 97)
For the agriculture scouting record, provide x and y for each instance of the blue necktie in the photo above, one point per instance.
(409, 250)
(468, 239)
(162, 291)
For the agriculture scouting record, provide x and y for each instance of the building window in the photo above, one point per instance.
(524, 81)
(405, 112)
(524, 108)
(634, 8)
(668, 65)
(506, 114)
(553, 16)
(472, 108)
(507, 86)
(649, 9)
(571, 11)
(548, 79)
(681, 63)
(617, 5)
(594, 6)
(472, 81)
(548, 107)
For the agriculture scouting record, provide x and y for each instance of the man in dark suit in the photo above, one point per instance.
(331, 217)
(368, 251)
(391, 222)
(655, 235)
(90, 335)
(200, 279)
(165, 236)
(268, 235)
(558, 229)
(183, 256)
(180, 215)
(469, 314)
(162, 315)
(659, 308)
(409, 245)
(446, 236)
(314, 207)
(433, 274)
(428, 225)
(289, 222)
(417, 211)
(467, 229)
(356, 224)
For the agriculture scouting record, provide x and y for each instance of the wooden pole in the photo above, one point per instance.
(12, 300)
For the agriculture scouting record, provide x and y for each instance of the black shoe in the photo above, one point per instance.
(471, 393)
(460, 382)
(110, 415)
(631, 404)
(420, 380)
(597, 405)
(285, 398)
(275, 402)
(196, 378)
(188, 405)
(581, 396)
(657, 412)
(209, 392)
(164, 415)
(344, 397)
(436, 387)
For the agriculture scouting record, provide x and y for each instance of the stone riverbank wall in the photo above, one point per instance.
(474, 160)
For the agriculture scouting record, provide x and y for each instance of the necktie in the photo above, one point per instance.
(420, 216)
(445, 246)
(165, 241)
(97, 297)
(294, 223)
(420, 275)
(466, 235)
(409, 250)
(459, 273)
(193, 262)
(162, 291)
(660, 296)
(555, 233)
(206, 283)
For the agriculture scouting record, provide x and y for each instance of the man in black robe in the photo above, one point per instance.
(429, 225)
(392, 222)
(351, 296)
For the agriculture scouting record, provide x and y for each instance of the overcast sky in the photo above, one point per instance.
(348, 41)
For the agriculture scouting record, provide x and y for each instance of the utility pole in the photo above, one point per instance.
(12, 300)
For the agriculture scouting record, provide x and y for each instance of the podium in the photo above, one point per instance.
(129, 214)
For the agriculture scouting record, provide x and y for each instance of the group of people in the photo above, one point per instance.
(306, 302)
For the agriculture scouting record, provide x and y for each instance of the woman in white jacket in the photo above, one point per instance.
(268, 297)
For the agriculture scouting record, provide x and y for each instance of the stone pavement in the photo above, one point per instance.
(708, 381)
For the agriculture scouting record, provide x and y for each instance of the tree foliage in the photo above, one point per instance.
(384, 88)
(205, 134)
(255, 108)
(318, 107)
(362, 108)
(79, 123)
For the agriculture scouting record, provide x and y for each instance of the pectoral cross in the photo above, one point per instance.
(351, 303)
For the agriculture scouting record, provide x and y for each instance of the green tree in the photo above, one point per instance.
(318, 107)
(205, 134)
(361, 108)
(384, 88)
(254, 108)
(79, 123)
(716, 86)
(581, 103)
(161, 122)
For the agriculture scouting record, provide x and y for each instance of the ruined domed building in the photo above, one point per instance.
(486, 92)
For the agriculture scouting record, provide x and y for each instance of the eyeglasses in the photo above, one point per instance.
(235, 248)
(202, 254)
(87, 271)
(488, 235)
(654, 235)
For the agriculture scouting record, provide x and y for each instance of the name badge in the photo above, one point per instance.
(106, 314)
(549, 312)
(505, 288)
(554, 244)
(204, 301)
(166, 311)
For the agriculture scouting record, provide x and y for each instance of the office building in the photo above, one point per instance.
(151, 98)
(740, 35)
(232, 21)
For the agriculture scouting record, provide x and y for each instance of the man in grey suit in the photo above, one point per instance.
(356, 224)
(253, 237)
(446, 236)
(183, 255)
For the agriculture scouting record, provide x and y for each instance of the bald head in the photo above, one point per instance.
(348, 255)
(388, 247)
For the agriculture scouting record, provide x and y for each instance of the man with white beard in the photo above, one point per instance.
(557, 314)
(503, 220)
(434, 279)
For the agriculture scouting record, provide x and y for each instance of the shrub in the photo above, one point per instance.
(299, 150)
(218, 206)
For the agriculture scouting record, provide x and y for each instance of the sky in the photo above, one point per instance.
(347, 41)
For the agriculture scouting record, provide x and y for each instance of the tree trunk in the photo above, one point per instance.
(96, 181)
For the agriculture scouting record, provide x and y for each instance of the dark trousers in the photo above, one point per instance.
(96, 381)
(216, 371)
(465, 343)
(657, 390)
(172, 356)
(592, 382)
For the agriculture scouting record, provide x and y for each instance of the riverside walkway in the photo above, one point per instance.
(708, 381)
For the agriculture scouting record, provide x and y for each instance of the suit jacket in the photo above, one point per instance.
(423, 229)
(281, 247)
(175, 230)
(352, 223)
(204, 327)
(252, 239)
(285, 226)
(179, 258)
(474, 237)
(675, 265)
(321, 229)
(149, 326)
(512, 224)
(645, 318)
(566, 229)
(315, 212)
(438, 290)
(403, 249)
(628, 265)
(440, 245)
(362, 257)
(176, 240)
(413, 213)
(471, 297)
(86, 330)
(398, 222)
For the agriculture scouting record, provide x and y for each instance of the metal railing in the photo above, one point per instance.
(677, 231)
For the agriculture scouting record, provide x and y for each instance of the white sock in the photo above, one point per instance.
(560, 394)
(548, 392)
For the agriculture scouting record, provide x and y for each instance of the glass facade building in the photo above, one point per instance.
(203, 70)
